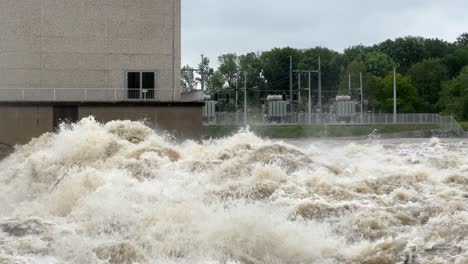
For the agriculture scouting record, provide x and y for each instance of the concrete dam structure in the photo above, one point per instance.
(62, 60)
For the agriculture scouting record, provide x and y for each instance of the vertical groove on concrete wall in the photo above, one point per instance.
(108, 66)
(41, 38)
(173, 50)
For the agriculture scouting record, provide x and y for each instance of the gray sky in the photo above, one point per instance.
(214, 27)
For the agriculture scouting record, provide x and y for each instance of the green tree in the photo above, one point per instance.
(229, 69)
(378, 63)
(205, 71)
(454, 99)
(462, 40)
(275, 65)
(353, 52)
(215, 84)
(404, 51)
(250, 65)
(331, 66)
(407, 101)
(374, 92)
(437, 48)
(427, 76)
(354, 68)
(456, 60)
(372, 64)
(410, 50)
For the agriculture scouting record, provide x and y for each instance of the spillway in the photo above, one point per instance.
(122, 193)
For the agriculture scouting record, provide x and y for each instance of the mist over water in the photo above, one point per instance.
(122, 193)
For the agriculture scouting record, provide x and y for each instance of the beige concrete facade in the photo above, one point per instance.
(89, 43)
(20, 123)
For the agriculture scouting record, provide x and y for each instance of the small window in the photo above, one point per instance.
(141, 85)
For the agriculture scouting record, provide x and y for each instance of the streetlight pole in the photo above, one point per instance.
(299, 87)
(349, 84)
(310, 100)
(394, 97)
(362, 98)
(320, 85)
(290, 79)
(245, 98)
(237, 98)
(202, 73)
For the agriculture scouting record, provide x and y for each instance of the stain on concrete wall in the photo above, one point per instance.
(5, 150)
(20, 124)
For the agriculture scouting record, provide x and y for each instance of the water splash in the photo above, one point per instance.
(121, 193)
(374, 136)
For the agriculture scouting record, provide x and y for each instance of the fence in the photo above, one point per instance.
(86, 94)
(445, 123)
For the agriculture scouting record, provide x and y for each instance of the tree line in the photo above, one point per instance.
(432, 74)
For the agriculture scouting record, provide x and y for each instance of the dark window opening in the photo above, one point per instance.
(133, 85)
(148, 85)
(141, 85)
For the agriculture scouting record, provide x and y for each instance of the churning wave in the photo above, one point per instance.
(122, 193)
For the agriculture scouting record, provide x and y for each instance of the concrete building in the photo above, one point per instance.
(90, 44)
(83, 52)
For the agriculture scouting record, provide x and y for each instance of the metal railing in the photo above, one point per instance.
(444, 123)
(87, 94)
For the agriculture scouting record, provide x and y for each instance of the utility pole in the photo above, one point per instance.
(291, 79)
(394, 97)
(310, 100)
(320, 85)
(237, 98)
(245, 98)
(362, 98)
(299, 87)
(202, 74)
(349, 84)
(309, 72)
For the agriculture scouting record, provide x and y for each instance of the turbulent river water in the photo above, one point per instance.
(122, 193)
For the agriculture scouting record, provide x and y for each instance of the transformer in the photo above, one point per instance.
(277, 108)
(345, 108)
(209, 110)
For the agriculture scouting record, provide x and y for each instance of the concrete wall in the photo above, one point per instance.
(181, 121)
(19, 123)
(83, 43)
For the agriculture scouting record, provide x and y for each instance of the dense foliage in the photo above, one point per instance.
(432, 74)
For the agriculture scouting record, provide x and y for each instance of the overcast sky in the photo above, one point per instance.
(214, 27)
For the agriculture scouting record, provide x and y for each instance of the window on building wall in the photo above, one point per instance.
(141, 85)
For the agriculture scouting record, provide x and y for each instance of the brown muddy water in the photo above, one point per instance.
(121, 193)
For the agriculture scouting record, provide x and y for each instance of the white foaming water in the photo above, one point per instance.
(121, 193)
